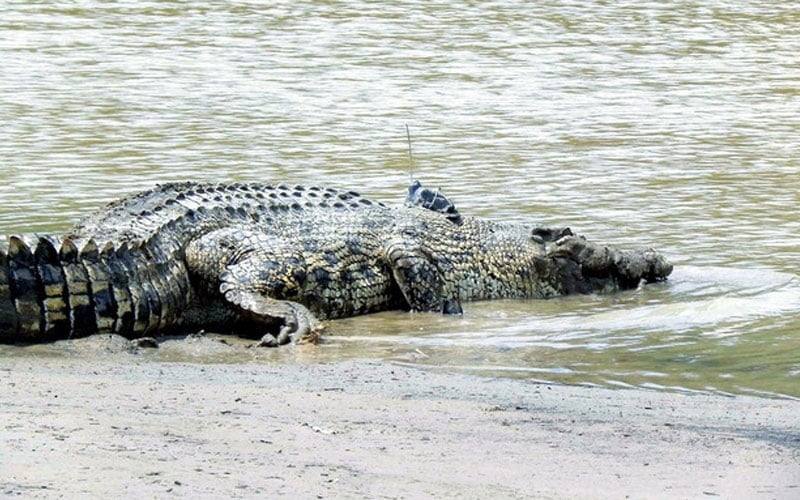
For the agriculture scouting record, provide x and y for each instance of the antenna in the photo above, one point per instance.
(410, 156)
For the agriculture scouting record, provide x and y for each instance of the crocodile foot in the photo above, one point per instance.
(306, 334)
(298, 324)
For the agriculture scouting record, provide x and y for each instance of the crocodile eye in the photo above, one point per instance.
(548, 234)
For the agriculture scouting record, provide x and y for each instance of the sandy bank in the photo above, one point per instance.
(122, 426)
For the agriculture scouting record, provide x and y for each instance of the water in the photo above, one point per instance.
(671, 124)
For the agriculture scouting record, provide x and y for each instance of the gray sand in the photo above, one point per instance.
(122, 426)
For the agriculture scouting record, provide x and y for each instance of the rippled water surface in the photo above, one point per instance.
(673, 124)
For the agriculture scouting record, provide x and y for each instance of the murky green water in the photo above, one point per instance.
(673, 124)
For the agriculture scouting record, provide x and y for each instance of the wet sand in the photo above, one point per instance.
(117, 424)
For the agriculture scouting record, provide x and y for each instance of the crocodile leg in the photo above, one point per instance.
(298, 323)
(419, 279)
(257, 275)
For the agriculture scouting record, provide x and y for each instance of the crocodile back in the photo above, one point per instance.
(181, 211)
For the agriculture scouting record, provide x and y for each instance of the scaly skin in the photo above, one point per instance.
(273, 261)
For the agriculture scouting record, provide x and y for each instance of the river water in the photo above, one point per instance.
(673, 124)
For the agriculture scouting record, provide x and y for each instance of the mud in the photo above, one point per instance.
(108, 420)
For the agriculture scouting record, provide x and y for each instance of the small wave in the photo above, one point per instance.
(705, 296)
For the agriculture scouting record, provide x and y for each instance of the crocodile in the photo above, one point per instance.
(274, 262)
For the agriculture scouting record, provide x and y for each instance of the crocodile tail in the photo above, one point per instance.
(37, 301)
(54, 288)
(9, 319)
(22, 314)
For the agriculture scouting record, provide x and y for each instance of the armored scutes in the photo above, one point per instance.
(270, 262)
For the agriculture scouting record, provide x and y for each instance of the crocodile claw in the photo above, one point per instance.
(290, 333)
(268, 340)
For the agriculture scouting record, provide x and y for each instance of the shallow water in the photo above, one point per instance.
(667, 124)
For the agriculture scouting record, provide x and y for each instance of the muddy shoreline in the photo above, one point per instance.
(115, 423)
